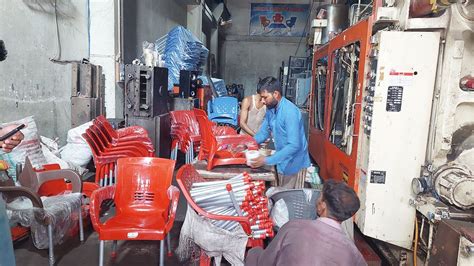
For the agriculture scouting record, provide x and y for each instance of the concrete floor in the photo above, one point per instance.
(72, 252)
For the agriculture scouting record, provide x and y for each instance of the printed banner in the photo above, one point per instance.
(278, 19)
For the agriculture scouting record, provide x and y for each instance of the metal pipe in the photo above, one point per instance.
(101, 253)
(81, 227)
(207, 198)
(213, 189)
(234, 201)
(50, 243)
(239, 177)
(217, 194)
(220, 184)
(162, 252)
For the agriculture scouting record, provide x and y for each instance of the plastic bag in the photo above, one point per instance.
(279, 214)
(215, 242)
(62, 211)
(77, 152)
(150, 55)
(30, 146)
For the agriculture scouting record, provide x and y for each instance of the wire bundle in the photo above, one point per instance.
(238, 196)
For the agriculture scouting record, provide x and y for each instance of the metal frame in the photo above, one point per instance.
(333, 162)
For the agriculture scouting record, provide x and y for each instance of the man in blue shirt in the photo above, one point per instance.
(284, 121)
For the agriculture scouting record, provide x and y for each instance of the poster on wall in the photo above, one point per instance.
(278, 19)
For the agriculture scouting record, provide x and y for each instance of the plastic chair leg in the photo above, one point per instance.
(101, 253)
(81, 227)
(114, 249)
(51, 248)
(162, 252)
(168, 241)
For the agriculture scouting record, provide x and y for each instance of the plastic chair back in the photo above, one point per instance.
(187, 119)
(106, 126)
(301, 203)
(223, 110)
(208, 140)
(142, 184)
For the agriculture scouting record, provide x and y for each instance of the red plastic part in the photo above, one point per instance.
(186, 177)
(144, 198)
(108, 145)
(223, 150)
(125, 133)
(185, 128)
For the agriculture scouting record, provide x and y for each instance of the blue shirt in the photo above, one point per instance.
(286, 124)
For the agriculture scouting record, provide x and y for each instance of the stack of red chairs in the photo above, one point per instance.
(223, 149)
(108, 145)
(185, 133)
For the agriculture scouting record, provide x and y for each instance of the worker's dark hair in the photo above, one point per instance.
(3, 51)
(269, 84)
(258, 85)
(341, 200)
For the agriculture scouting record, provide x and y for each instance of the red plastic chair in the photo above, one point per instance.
(186, 177)
(222, 150)
(108, 145)
(145, 203)
(185, 133)
(124, 134)
(134, 147)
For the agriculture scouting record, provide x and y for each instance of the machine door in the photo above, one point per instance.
(334, 141)
(318, 106)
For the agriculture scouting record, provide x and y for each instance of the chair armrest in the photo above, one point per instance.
(67, 174)
(87, 188)
(13, 192)
(173, 195)
(97, 197)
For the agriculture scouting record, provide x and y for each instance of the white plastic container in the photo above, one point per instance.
(251, 155)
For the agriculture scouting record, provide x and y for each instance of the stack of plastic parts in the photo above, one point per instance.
(219, 84)
(221, 150)
(185, 133)
(224, 110)
(216, 205)
(182, 51)
(108, 145)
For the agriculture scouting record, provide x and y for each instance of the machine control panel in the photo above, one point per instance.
(370, 90)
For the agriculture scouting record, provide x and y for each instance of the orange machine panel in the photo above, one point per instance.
(332, 161)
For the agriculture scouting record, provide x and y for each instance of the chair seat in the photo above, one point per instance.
(144, 226)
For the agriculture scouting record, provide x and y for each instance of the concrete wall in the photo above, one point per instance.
(246, 58)
(30, 83)
(147, 20)
(103, 52)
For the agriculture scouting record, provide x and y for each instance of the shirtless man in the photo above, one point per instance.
(252, 114)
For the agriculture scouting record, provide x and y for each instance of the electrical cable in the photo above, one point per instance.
(57, 57)
(415, 249)
(58, 52)
(305, 26)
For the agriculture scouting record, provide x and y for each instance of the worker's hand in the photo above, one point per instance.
(257, 162)
(10, 143)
